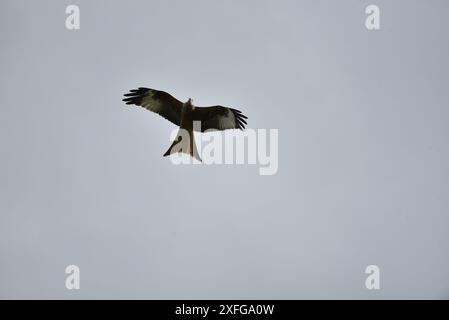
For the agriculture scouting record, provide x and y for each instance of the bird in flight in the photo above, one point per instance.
(183, 114)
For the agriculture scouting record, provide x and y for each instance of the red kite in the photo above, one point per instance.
(184, 114)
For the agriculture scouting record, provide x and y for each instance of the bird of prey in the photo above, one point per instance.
(183, 115)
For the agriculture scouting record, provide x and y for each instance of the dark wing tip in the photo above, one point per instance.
(239, 118)
(135, 96)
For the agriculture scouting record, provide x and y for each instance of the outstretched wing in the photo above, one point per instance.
(159, 102)
(219, 118)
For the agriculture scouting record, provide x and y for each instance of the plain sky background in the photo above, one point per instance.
(363, 150)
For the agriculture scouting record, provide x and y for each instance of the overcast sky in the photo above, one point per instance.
(363, 150)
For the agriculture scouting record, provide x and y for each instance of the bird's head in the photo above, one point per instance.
(189, 104)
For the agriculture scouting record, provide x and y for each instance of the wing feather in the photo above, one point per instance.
(157, 101)
(219, 118)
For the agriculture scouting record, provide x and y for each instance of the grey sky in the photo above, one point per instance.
(363, 150)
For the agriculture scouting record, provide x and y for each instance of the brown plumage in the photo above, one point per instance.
(184, 114)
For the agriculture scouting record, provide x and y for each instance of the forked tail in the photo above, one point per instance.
(184, 143)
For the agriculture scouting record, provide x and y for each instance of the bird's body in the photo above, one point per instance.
(184, 115)
(185, 133)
